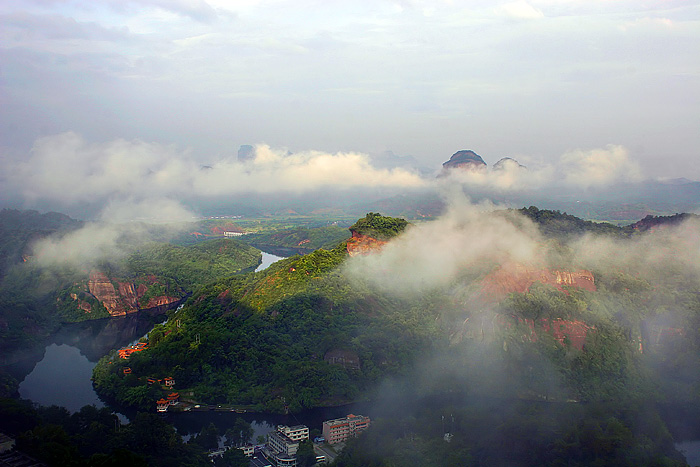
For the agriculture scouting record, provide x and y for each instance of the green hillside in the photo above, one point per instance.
(261, 339)
(304, 334)
(299, 238)
(378, 226)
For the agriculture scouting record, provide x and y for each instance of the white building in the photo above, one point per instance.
(284, 443)
(295, 433)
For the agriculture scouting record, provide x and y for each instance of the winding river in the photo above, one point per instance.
(60, 374)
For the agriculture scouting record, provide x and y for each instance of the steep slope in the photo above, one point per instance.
(157, 276)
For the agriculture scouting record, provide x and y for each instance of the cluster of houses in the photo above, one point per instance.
(127, 351)
(163, 404)
(283, 443)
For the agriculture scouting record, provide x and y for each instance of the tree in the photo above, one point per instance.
(306, 456)
(241, 433)
(233, 457)
(208, 438)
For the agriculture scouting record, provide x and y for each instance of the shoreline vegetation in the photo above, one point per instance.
(304, 334)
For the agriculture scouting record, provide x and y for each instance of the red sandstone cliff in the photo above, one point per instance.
(102, 288)
(566, 331)
(162, 300)
(516, 278)
(360, 244)
(125, 297)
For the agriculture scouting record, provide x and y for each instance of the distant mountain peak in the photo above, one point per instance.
(466, 158)
(507, 162)
(246, 153)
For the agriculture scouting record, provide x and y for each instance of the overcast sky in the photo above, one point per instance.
(536, 80)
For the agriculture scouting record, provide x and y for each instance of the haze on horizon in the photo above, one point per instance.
(118, 100)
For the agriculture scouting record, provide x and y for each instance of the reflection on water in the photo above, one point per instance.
(60, 372)
(61, 378)
(267, 260)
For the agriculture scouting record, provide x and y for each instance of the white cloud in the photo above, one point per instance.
(81, 248)
(152, 211)
(67, 168)
(122, 224)
(510, 177)
(467, 239)
(599, 167)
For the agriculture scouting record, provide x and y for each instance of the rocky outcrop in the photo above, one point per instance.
(163, 300)
(101, 287)
(517, 278)
(360, 244)
(566, 331)
(124, 298)
(128, 293)
(465, 159)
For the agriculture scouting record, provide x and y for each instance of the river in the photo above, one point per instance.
(267, 260)
(60, 374)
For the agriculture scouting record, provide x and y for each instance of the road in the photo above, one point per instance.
(258, 460)
(323, 450)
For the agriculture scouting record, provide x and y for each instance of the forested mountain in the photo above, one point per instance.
(37, 296)
(307, 239)
(600, 348)
(18, 229)
(572, 354)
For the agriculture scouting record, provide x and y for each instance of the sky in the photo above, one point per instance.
(110, 95)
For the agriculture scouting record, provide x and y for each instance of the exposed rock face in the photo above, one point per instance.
(567, 332)
(571, 331)
(465, 159)
(360, 244)
(516, 278)
(124, 298)
(116, 304)
(163, 300)
(128, 294)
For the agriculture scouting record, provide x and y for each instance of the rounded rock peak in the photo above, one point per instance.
(465, 158)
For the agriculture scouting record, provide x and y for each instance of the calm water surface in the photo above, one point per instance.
(267, 260)
(61, 378)
(62, 375)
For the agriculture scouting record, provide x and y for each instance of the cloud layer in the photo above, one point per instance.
(471, 240)
(534, 77)
(467, 239)
(68, 169)
(578, 169)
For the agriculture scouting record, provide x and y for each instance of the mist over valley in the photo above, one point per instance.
(362, 234)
